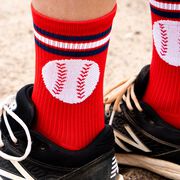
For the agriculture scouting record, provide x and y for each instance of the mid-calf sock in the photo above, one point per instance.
(163, 91)
(68, 88)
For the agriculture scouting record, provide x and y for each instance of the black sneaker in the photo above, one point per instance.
(27, 155)
(142, 138)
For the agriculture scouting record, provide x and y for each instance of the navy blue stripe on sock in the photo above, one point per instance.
(72, 38)
(72, 53)
(165, 14)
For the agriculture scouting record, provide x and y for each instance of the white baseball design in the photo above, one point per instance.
(166, 36)
(71, 81)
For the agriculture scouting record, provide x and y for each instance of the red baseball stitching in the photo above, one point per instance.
(179, 41)
(61, 78)
(81, 81)
(164, 39)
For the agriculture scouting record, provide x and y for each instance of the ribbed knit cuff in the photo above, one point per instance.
(73, 27)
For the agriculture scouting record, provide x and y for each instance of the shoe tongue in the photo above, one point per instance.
(25, 109)
(141, 82)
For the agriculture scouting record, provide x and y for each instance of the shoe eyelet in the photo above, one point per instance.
(42, 147)
(152, 122)
(107, 114)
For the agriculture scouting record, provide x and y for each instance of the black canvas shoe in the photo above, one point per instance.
(27, 155)
(142, 138)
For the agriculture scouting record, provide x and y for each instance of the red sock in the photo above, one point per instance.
(68, 88)
(163, 92)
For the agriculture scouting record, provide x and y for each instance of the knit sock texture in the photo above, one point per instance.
(68, 88)
(163, 91)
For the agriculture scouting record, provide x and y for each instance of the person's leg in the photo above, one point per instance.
(78, 10)
(164, 83)
(59, 122)
(72, 39)
(145, 110)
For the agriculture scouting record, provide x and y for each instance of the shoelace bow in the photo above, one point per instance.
(124, 90)
(4, 110)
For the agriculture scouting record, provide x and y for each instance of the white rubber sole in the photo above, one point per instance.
(161, 167)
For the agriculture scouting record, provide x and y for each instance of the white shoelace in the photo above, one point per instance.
(118, 93)
(5, 108)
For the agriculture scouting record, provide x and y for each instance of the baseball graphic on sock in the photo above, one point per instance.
(166, 35)
(71, 81)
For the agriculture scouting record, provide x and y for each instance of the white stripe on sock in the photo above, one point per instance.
(165, 6)
(71, 46)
